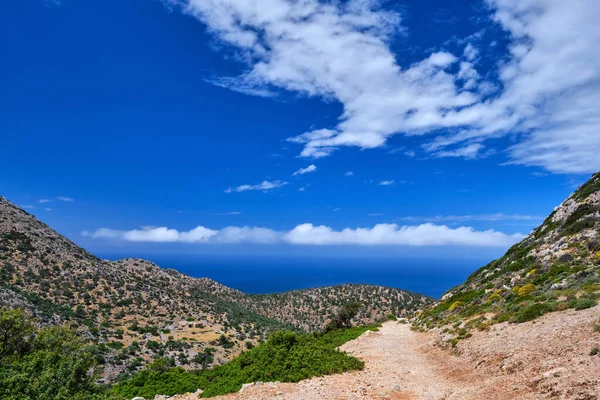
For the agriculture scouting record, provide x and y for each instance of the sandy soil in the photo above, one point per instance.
(546, 359)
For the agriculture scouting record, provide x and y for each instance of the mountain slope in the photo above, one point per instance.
(555, 267)
(135, 311)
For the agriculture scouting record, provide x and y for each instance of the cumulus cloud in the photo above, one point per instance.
(264, 186)
(307, 234)
(200, 234)
(547, 93)
(392, 234)
(302, 171)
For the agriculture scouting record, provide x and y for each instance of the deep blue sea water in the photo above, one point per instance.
(267, 274)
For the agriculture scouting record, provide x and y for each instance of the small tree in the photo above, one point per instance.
(16, 330)
(49, 363)
(343, 319)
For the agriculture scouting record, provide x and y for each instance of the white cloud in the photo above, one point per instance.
(48, 209)
(470, 52)
(548, 93)
(307, 234)
(392, 234)
(199, 234)
(302, 171)
(264, 186)
(480, 217)
(471, 151)
(66, 199)
(301, 189)
(44, 201)
(409, 153)
(349, 173)
(386, 183)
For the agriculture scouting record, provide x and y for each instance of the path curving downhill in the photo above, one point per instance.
(548, 358)
(397, 366)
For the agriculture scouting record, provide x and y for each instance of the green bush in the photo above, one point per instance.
(285, 356)
(583, 303)
(344, 317)
(531, 312)
(526, 290)
(50, 363)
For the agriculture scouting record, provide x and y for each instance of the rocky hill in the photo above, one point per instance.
(311, 309)
(135, 311)
(556, 267)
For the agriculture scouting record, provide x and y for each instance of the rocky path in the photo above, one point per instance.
(545, 359)
(397, 366)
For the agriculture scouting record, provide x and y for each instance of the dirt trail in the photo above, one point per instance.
(545, 359)
(397, 366)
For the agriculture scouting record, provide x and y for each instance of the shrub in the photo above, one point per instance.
(594, 351)
(494, 298)
(526, 290)
(531, 312)
(582, 304)
(50, 363)
(285, 356)
(225, 342)
(344, 317)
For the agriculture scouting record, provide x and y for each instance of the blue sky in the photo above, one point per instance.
(282, 126)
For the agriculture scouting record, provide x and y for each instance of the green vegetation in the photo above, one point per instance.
(286, 356)
(532, 312)
(43, 363)
(344, 317)
(553, 269)
(591, 186)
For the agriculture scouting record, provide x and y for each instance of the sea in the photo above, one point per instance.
(268, 274)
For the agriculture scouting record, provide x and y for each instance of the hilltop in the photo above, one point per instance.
(134, 311)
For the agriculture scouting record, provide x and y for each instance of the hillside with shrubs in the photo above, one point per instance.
(134, 312)
(556, 267)
(311, 309)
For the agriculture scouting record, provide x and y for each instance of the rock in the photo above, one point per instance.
(560, 285)
(447, 296)
(553, 373)
(138, 398)
(245, 386)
